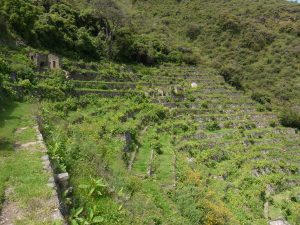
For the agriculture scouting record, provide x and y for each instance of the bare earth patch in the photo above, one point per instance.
(11, 210)
(20, 130)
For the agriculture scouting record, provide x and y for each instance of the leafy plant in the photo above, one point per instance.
(213, 126)
(290, 118)
(80, 217)
(95, 188)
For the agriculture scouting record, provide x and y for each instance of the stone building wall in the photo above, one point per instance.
(53, 61)
(44, 61)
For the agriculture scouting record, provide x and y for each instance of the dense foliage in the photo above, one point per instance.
(88, 32)
(214, 157)
(254, 45)
(100, 127)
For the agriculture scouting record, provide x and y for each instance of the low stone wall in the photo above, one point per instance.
(105, 93)
(83, 76)
(54, 181)
(56, 215)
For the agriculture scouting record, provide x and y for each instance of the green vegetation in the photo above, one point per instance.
(163, 112)
(21, 174)
(291, 118)
(253, 45)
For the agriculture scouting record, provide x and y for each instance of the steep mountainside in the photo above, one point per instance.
(162, 112)
(254, 45)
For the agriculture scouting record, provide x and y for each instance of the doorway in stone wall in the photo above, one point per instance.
(42, 64)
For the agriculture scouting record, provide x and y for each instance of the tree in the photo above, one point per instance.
(21, 17)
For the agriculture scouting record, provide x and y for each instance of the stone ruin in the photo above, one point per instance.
(45, 61)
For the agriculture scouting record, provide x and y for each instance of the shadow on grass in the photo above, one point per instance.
(6, 110)
(5, 145)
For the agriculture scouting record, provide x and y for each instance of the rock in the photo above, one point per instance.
(51, 185)
(57, 216)
(190, 159)
(39, 137)
(194, 85)
(45, 158)
(46, 163)
(278, 222)
(62, 177)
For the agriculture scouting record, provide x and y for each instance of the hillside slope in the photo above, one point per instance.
(163, 112)
(254, 45)
(215, 157)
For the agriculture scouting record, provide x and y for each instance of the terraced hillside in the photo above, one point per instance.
(179, 146)
(135, 111)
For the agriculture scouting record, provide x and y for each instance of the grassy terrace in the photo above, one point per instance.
(120, 83)
(25, 197)
(106, 119)
(225, 143)
(209, 104)
(115, 85)
(147, 138)
(101, 91)
(201, 111)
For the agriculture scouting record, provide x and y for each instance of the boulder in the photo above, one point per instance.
(62, 177)
(194, 85)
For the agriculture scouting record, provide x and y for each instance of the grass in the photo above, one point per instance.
(21, 171)
(165, 170)
(24, 137)
(106, 91)
(13, 116)
(141, 163)
(221, 163)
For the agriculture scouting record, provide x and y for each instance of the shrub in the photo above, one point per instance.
(273, 124)
(260, 108)
(228, 124)
(193, 30)
(212, 126)
(204, 105)
(260, 97)
(156, 145)
(4, 68)
(290, 118)
(191, 59)
(229, 23)
(256, 39)
(232, 75)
